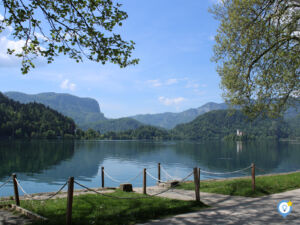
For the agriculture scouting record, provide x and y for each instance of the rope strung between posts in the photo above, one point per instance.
(22, 189)
(174, 186)
(56, 193)
(236, 171)
(154, 178)
(118, 181)
(110, 196)
(132, 179)
(28, 195)
(168, 175)
(6, 182)
(110, 177)
(115, 197)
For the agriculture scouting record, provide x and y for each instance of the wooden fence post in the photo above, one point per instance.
(196, 182)
(199, 181)
(102, 176)
(70, 200)
(144, 182)
(253, 176)
(158, 177)
(17, 199)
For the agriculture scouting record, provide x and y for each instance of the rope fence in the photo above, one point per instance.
(153, 177)
(32, 198)
(6, 182)
(168, 175)
(226, 173)
(174, 182)
(120, 182)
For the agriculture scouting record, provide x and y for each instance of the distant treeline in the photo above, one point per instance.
(35, 120)
(219, 124)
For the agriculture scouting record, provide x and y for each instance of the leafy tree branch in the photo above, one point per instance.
(77, 28)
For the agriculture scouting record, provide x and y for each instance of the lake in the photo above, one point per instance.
(43, 166)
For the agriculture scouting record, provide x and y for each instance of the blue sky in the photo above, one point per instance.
(174, 42)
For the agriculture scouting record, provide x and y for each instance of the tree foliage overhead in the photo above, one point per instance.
(257, 51)
(76, 28)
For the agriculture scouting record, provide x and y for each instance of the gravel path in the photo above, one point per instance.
(233, 210)
(8, 217)
(225, 209)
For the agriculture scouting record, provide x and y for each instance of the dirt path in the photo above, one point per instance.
(234, 210)
(225, 209)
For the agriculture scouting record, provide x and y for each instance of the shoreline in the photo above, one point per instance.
(63, 194)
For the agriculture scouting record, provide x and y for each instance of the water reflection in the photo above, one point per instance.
(30, 157)
(44, 165)
(239, 146)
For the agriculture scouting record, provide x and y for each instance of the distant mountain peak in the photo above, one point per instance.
(82, 109)
(169, 120)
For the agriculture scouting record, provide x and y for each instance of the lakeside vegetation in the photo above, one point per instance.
(97, 210)
(265, 185)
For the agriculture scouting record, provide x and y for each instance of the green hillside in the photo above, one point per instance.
(114, 125)
(224, 124)
(32, 120)
(169, 120)
(81, 110)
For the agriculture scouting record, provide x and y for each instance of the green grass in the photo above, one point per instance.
(265, 185)
(96, 209)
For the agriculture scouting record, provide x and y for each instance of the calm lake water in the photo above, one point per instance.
(43, 166)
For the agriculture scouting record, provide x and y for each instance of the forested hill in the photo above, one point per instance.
(169, 120)
(224, 124)
(81, 110)
(32, 120)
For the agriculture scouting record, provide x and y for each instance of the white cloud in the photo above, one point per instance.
(170, 101)
(7, 60)
(67, 85)
(41, 36)
(154, 83)
(158, 82)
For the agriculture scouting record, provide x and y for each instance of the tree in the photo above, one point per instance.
(257, 52)
(74, 28)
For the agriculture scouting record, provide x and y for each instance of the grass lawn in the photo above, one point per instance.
(96, 209)
(265, 185)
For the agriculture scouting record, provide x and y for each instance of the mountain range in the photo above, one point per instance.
(169, 120)
(86, 112)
